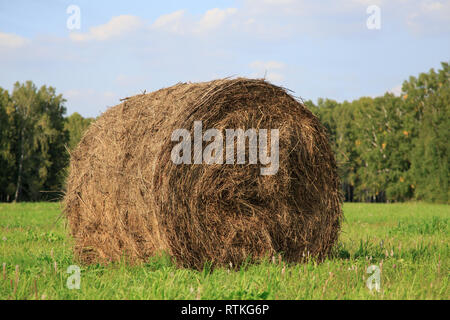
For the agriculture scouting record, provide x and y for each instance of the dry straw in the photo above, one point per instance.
(125, 197)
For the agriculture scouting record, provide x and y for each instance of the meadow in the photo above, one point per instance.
(408, 242)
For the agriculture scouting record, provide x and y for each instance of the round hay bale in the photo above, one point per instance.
(126, 198)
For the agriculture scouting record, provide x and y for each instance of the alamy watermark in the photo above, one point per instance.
(74, 20)
(374, 281)
(214, 151)
(74, 280)
(374, 20)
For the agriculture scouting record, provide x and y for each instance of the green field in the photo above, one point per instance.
(409, 242)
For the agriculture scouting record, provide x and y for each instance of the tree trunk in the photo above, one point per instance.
(19, 175)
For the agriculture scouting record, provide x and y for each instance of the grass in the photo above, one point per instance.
(409, 242)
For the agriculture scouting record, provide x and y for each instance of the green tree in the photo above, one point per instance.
(347, 155)
(338, 119)
(7, 160)
(76, 125)
(384, 145)
(40, 152)
(428, 99)
(52, 109)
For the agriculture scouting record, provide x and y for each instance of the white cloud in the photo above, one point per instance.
(179, 22)
(270, 19)
(429, 17)
(325, 18)
(213, 18)
(172, 22)
(116, 27)
(12, 41)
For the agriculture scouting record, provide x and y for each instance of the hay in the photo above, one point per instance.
(125, 197)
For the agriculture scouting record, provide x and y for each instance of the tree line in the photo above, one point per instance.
(35, 139)
(389, 148)
(393, 148)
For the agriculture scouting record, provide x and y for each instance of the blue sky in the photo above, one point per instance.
(315, 48)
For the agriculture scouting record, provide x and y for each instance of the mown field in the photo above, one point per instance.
(408, 242)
